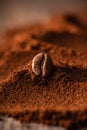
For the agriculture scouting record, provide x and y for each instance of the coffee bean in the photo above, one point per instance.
(42, 64)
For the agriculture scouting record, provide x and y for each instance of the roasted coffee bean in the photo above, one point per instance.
(42, 64)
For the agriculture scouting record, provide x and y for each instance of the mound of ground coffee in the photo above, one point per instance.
(61, 97)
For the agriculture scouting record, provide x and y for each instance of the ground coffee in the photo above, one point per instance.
(61, 97)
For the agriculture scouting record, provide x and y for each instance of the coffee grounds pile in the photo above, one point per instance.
(60, 98)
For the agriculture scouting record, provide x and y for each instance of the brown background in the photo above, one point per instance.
(17, 12)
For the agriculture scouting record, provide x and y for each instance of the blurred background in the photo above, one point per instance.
(20, 12)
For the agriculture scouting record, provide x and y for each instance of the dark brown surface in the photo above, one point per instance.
(59, 99)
